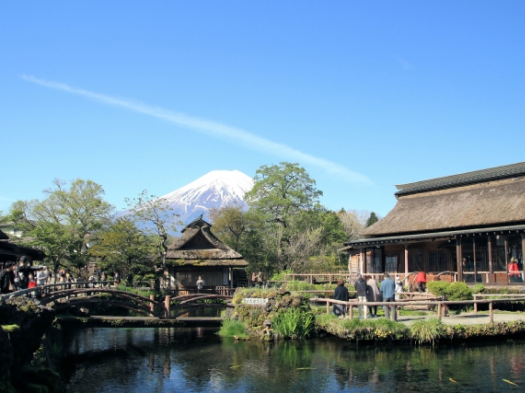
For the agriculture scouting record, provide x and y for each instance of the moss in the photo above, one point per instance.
(10, 328)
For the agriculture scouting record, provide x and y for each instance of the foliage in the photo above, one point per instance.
(368, 329)
(372, 219)
(124, 248)
(426, 331)
(62, 223)
(294, 323)
(233, 328)
(280, 275)
(156, 217)
(299, 286)
(454, 291)
(478, 288)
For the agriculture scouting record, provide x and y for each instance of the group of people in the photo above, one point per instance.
(15, 277)
(21, 275)
(368, 290)
(257, 279)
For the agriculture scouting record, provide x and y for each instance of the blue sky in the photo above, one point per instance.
(152, 95)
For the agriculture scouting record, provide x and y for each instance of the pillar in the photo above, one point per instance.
(362, 262)
(474, 257)
(406, 261)
(507, 258)
(167, 310)
(489, 250)
(459, 259)
(523, 250)
(151, 305)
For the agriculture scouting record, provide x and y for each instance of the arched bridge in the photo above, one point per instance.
(63, 297)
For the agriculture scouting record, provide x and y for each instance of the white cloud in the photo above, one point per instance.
(232, 134)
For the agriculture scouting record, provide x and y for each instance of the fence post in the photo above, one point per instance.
(167, 310)
(439, 310)
(327, 307)
(491, 314)
(475, 304)
(393, 313)
(351, 313)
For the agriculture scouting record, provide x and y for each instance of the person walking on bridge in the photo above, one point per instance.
(200, 284)
(388, 290)
(340, 293)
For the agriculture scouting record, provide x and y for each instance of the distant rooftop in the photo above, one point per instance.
(463, 179)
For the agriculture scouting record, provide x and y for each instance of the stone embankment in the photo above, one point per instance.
(23, 325)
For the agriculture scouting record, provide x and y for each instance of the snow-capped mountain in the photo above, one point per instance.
(214, 190)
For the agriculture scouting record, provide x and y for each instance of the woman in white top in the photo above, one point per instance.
(399, 288)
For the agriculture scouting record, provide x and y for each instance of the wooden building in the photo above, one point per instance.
(199, 253)
(10, 251)
(471, 225)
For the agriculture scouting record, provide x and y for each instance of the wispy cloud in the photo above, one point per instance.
(232, 134)
(404, 63)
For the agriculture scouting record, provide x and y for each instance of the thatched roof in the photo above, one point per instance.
(198, 246)
(489, 203)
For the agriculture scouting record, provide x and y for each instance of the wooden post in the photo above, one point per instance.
(474, 257)
(523, 252)
(351, 313)
(489, 250)
(406, 261)
(439, 310)
(151, 305)
(491, 314)
(327, 306)
(475, 304)
(459, 259)
(167, 311)
(362, 262)
(393, 313)
(507, 258)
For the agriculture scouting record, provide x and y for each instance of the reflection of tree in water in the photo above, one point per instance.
(163, 360)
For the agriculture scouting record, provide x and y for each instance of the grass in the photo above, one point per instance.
(426, 331)
(233, 328)
(362, 329)
(294, 323)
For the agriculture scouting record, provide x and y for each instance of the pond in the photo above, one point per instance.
(196, 360)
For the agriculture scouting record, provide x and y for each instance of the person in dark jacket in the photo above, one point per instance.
(24, 270)
(360, 287)
(7, 277)
(388, 289)
(340, 293)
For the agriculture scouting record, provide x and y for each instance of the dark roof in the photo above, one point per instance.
(484, 175)
(199, 247)
(3, 236)
(8, 248)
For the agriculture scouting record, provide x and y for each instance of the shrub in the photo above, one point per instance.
(294, 323)
(459, 291)
(478, 288)
(438, 288)
(299, 286)
(426, 331)
(232, 328)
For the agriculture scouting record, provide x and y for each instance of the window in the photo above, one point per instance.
(416, 260)
(437, 261)
(391, 263)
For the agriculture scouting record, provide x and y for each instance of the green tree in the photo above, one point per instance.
(62, 223)
(124, 248)
(280, 196)
(156, 218)
(372, 219)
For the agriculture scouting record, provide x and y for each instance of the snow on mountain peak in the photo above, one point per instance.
(215, 189)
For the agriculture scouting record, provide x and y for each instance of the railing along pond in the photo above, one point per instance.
(441, 304)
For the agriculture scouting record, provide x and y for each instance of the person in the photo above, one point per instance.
(200, 284)
(388, 290)
(372, 295)
(31, 283)
(23, 270)
(360, 287)
(514, 270)
(340, 293)
(254, 279)
(68, 280)
(421, 281)
(260, 279)
(399, 288)
(7, 278)
(41, 277)
(103, 279)
(116, 278)
(91, 280)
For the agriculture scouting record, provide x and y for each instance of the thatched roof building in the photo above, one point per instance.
(199, 253)
(10, 251)
(478, 210)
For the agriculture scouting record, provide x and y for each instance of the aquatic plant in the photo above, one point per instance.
(426, 330)
(233, 328)
(294, 323)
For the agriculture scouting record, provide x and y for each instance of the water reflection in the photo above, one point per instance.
(193, 360)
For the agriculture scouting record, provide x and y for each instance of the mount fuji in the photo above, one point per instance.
(216, 189)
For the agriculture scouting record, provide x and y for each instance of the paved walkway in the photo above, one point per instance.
(466, 319)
